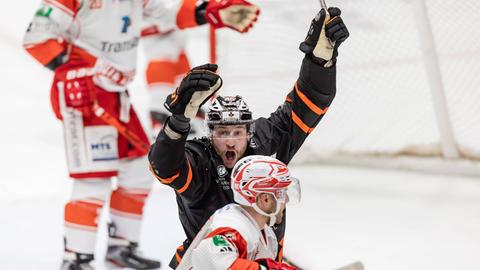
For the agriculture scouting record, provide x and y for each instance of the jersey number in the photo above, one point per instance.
(126, 23)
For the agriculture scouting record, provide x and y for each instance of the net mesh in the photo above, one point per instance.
(383, 104)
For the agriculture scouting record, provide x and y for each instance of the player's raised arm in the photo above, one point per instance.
(288, 127)
(170, 162)
(238, 15)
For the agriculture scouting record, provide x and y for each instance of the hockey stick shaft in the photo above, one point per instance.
(133, 138)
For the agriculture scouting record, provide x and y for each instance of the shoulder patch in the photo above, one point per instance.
(220, 241)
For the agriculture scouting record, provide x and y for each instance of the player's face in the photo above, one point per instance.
(230, 143)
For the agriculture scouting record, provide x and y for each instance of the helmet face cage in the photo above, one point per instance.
(229, 110)
(253, 175)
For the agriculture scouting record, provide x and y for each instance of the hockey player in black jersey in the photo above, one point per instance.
(199, 170)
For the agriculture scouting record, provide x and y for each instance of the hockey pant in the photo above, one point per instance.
(96, 152)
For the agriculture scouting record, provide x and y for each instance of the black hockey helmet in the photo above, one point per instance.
(229, 110)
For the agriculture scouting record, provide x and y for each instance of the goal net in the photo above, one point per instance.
(384, 110)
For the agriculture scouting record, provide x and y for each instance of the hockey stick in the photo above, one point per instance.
(122, 129)
(353, 266)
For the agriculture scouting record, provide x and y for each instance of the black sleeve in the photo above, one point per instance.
(178, 164)
(287, 128)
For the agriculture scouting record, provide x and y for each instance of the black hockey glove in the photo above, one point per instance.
(195, 89)
(323, 39)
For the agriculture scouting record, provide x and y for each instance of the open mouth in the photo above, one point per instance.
(230, 155)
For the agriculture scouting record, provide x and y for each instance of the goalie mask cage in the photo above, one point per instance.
(408, 80)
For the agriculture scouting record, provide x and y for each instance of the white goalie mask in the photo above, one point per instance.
(256, 174)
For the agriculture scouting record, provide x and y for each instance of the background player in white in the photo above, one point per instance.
(167, 65)
(92, 47)
(239, 236)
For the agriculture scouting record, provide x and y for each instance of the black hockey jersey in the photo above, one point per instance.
(197, 173)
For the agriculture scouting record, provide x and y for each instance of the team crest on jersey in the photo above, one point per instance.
(222, 171)
(95, 4)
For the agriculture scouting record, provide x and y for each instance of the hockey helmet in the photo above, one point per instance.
(256, 174)
(229, 110)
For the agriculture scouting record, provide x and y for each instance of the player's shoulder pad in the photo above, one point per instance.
(232, 216)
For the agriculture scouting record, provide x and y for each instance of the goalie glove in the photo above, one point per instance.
(238, 15)
(195, 89)
(326, 33)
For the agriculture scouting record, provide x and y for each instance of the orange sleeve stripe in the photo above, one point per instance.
(165, 181)
(309, 103)
(280, 252)
(243, 264)
(186, 14)
(300, 123)
(46, 51)
(189, 179)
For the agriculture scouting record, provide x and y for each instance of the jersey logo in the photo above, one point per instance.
(220, 241)
(44, 11)
(126, 23)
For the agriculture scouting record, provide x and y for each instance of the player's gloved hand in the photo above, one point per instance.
(326, 33)
(77, 86)
(238, 15)
(270, 264)
(195, 89)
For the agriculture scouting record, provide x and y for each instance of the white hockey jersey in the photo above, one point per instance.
(231, 239)
(108, 30)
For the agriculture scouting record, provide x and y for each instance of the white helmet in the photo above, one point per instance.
(229, 110)
(256, 174)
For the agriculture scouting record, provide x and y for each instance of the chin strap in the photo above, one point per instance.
(272, 216)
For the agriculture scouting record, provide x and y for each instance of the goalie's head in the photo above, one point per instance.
(264, 183)
(229, 125)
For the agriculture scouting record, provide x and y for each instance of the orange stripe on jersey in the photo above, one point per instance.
(186, 14)
(161, 72)
(126, 202)
(45, 52)
(243, 264)
(165, 181)
(82, 213)
(280, 252)
(300, 123)
(69, 7)
(189, 179)
(309, 103)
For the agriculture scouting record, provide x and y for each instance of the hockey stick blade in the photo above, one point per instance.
(352, 266)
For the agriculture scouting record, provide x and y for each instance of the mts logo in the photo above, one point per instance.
(101, 146)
